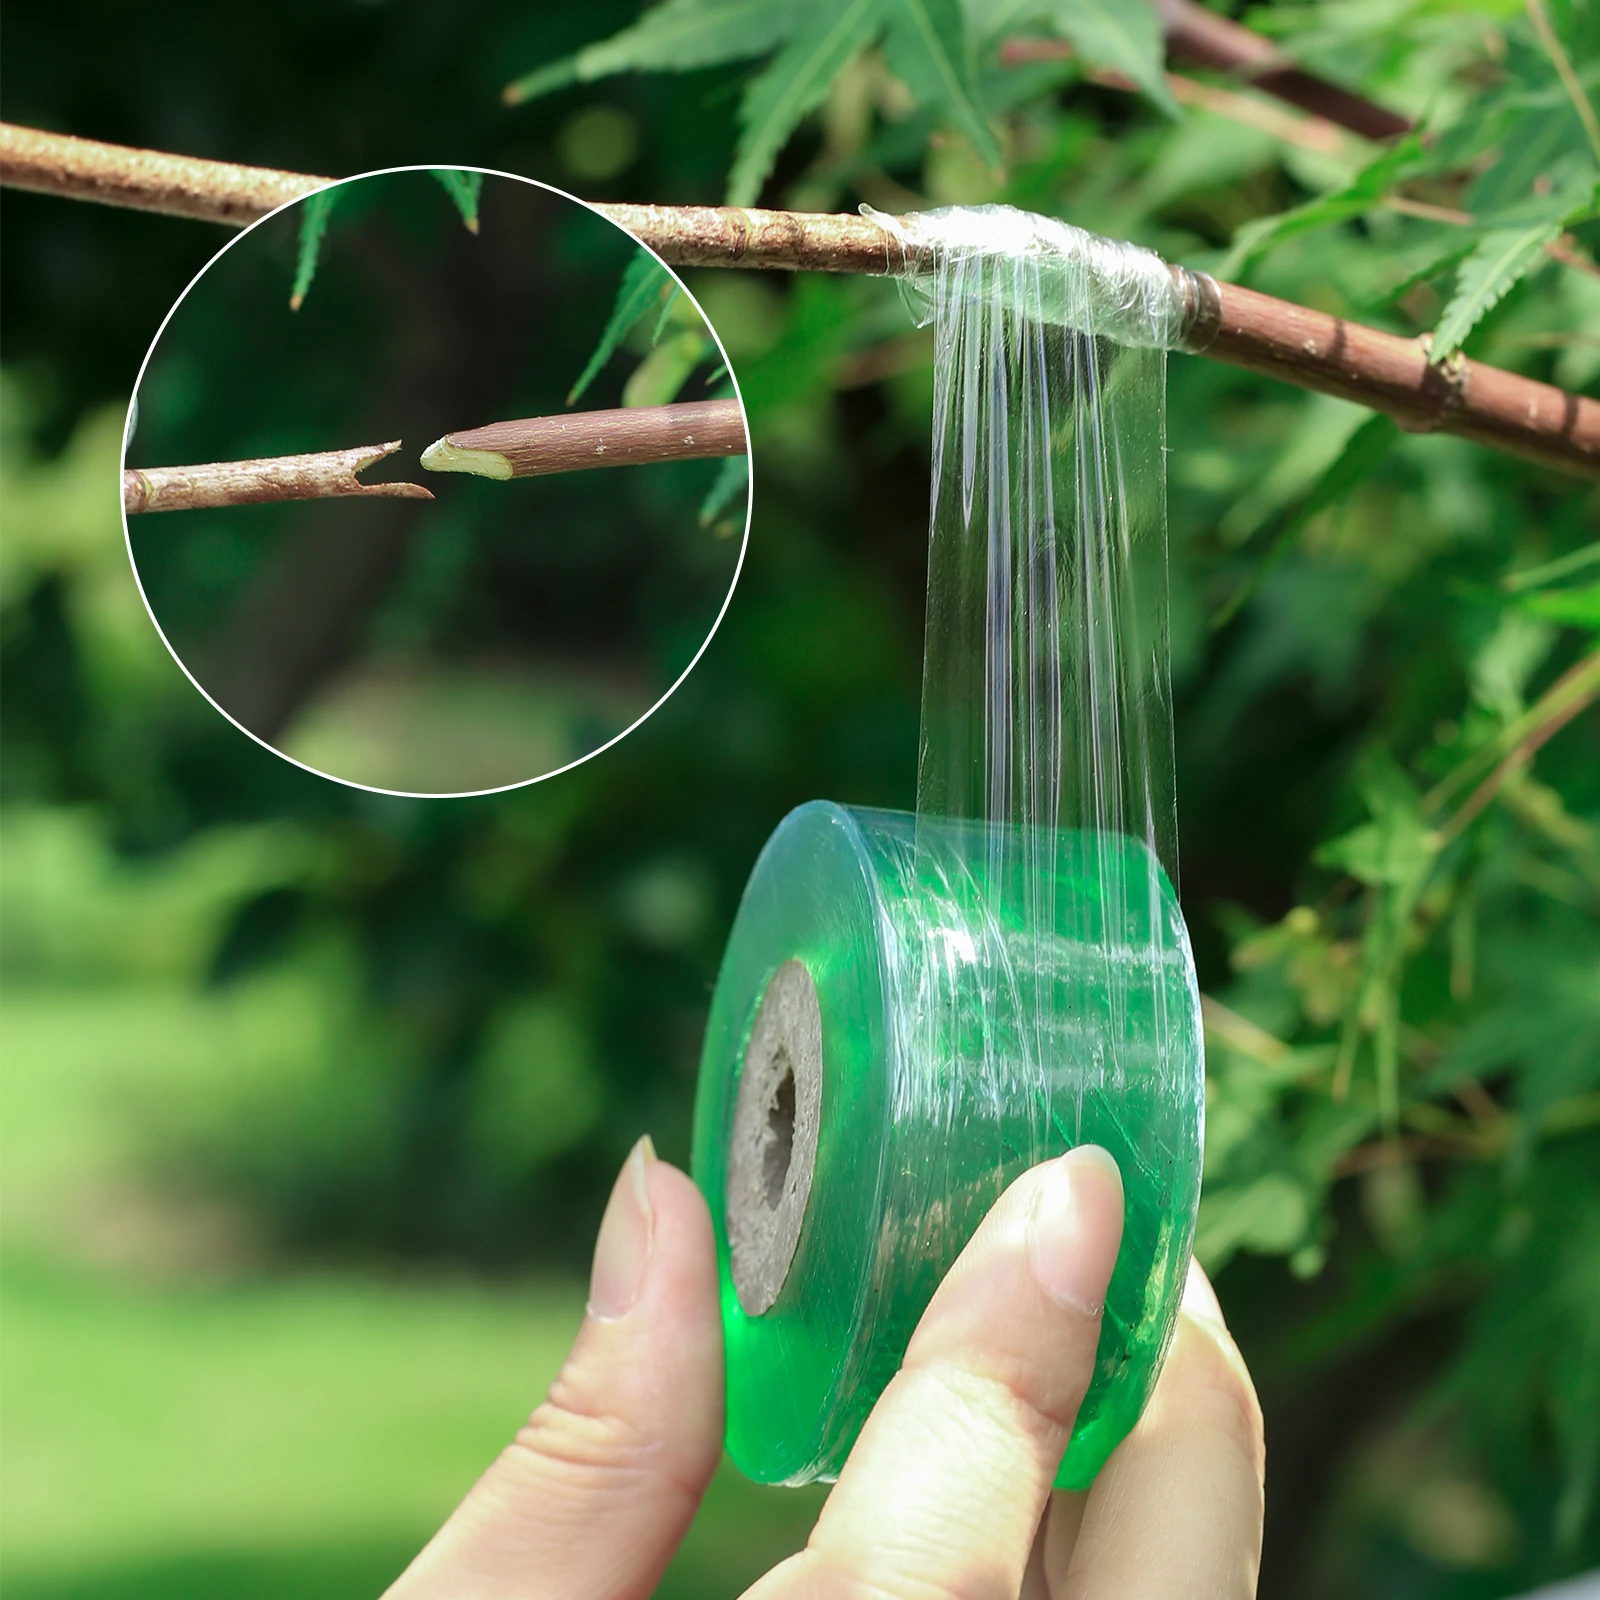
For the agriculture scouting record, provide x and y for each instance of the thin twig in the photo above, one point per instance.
(1585, 689)
(1276, 338)
(145, 180)
(1307, 132)
(1201, 38)
(327, 475)
(1569, 78)
(581, 440)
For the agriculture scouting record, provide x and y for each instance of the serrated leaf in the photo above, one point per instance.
(642, 286)
(1501, 259)
(675, 37)
(1125, 35)
(463, 189)
(318, 208)
(926, 48)
(796, 81)
(732, 479)
(1358, 197)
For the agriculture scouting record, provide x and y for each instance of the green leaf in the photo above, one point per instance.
(464, 189)
(1269, 1216)
(1391, 849)
(659, 378)
(1575, 608)
(926, 48)
(796, 81)
(1364, 452)
(1358, 197)
(732, 480)
(675, 37)
(1125, 35)
(1500, 260)
(642, 286)
(313, 225)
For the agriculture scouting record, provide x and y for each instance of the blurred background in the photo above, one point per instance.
(492, 635)
(312, 1097)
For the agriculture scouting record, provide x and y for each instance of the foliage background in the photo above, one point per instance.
(312, 1097)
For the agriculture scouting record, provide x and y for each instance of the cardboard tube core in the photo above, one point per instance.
(773, 1154)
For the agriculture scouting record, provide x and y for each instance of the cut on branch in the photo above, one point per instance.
(581, 441)
(326, 475)
(1276, 338)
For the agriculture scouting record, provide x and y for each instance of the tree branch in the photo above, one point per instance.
(330, 474)
(145, 180)
(581, 440)
(1276, 338)
(1203, 38)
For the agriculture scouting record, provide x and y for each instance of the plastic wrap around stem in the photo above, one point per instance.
(1007, 973)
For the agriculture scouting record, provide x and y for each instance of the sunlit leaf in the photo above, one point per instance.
(675, 37)
(926, 48)
(1125, 35)
(794, 82)
(1501, 259)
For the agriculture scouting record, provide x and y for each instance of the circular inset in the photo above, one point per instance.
(436, 481)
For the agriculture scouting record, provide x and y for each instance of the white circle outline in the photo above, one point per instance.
(521, 783)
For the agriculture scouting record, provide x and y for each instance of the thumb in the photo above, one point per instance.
(597, 1489)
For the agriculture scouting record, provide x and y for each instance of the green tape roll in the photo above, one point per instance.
(910, 1013)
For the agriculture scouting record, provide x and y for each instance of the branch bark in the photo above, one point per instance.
(145, 180)
(327, 475)
(582, 440)
(1277, 338)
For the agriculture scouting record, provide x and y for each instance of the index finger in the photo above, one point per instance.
(944, 1489)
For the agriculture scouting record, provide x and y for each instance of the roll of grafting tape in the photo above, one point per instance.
(910, 1013)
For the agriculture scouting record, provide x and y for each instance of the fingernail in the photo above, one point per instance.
(1076, 1228)
(627, 1230)
(1200, 1299)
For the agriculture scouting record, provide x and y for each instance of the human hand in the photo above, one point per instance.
(948, 1491)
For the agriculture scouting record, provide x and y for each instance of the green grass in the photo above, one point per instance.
(182, 1418)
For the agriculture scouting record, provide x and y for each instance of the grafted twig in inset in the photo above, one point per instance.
(326, 475)
(582, 440)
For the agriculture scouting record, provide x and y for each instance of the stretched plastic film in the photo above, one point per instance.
(912, 1010)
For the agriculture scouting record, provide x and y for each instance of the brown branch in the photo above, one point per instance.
(145, 180)
(1276, 338)
(1202, 38)
(581, 440)
(1308, 132)
(1197, 37)
(330, 474)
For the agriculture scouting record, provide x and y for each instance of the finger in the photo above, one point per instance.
(595, 1493)
(1176, 1513)
(943, 1491)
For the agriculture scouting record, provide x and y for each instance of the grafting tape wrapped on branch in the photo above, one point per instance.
(912, 1010)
